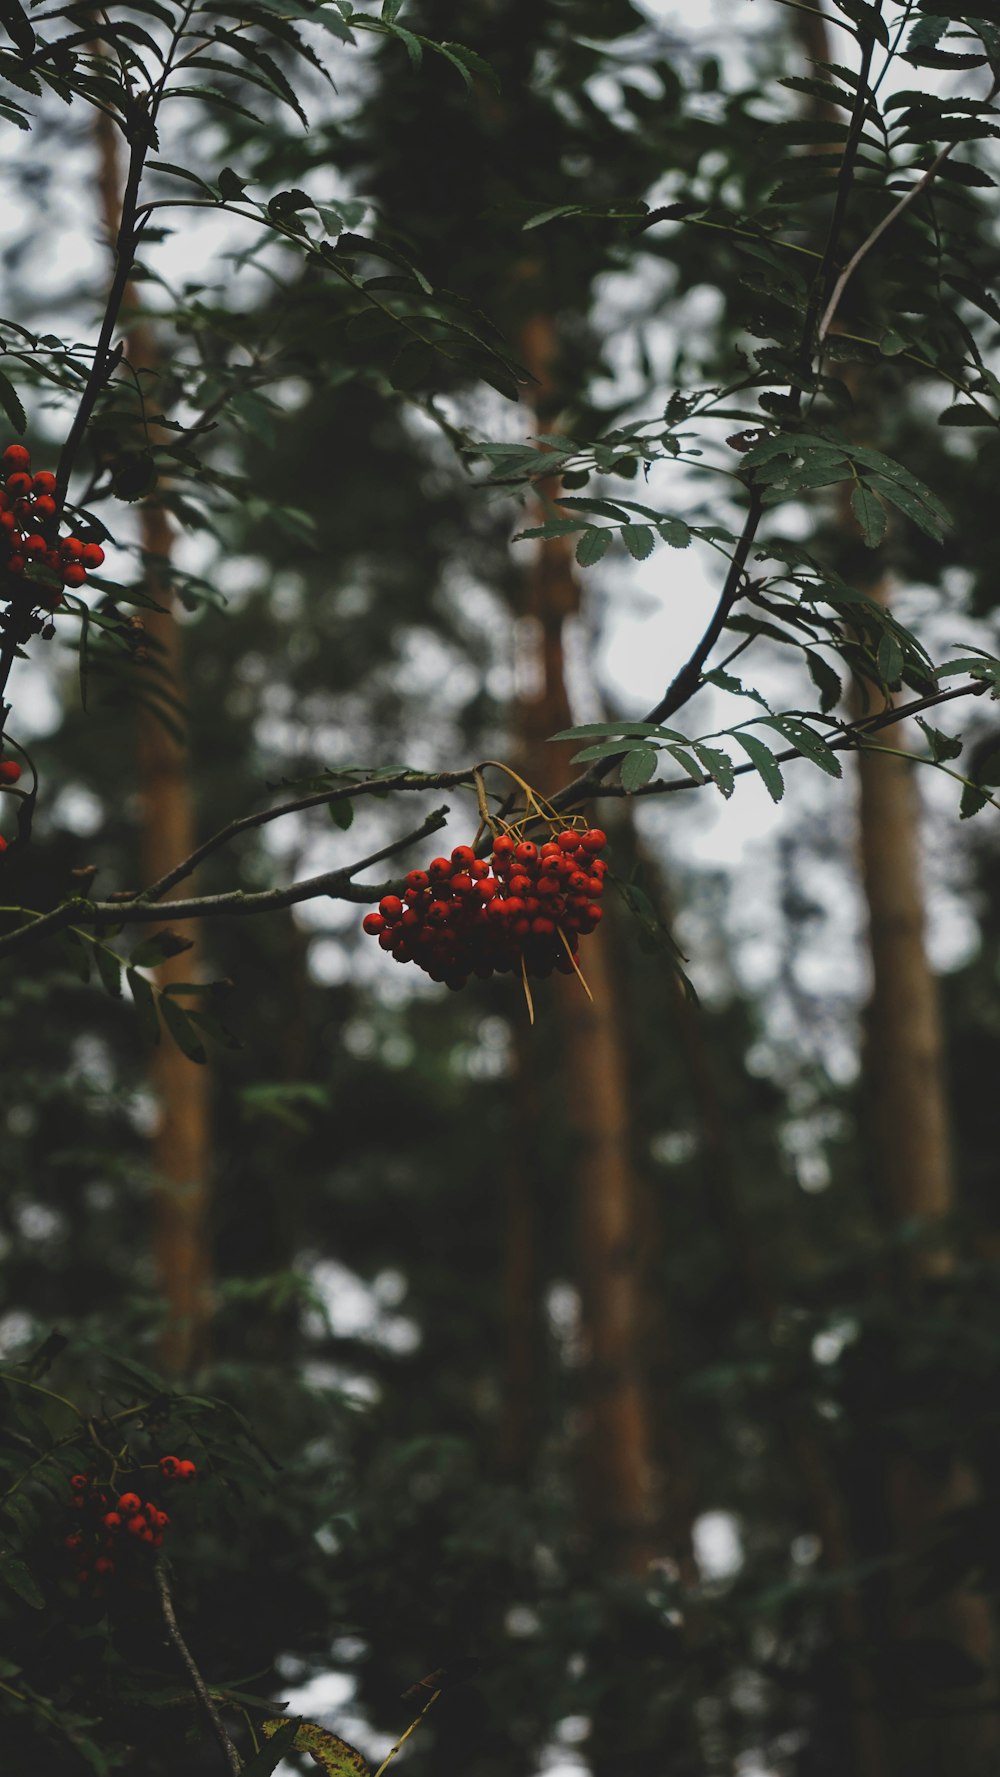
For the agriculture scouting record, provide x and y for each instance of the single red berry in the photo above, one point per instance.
(104, 1564)
(44, 482)
(148, 1536)
(479, 868)
(439, 869)
(18, 484)
(463, 855)
(186, 1470)
(170, 1464)
(526, 853)
(3, 847)
(594, 839)
(73, 573)
(45, 507)
(8, 522)
(542, 927)
(79, 1483)
(488, 888)
(16, 564)
(373, 923)
(391, 909)
(73, 1542)
(598, 867)
(462, 885)
(35, 546)
(548, 885)
(503, 845)
(157, 1539)
(594, 914)
(568, 841)
(17, 456)
(417, 880)
(71, 548)
(92, 555)
(129, 1503)
(387, 938)
(137, 1525)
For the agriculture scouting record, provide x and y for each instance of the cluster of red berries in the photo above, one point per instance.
(525, 908)
(10, 771)
(110, 1526)
(29, 520)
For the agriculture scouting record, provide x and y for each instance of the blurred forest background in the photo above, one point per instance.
(641, 1368)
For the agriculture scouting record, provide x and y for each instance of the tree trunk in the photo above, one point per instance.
(181, 1149)
(623, 1490)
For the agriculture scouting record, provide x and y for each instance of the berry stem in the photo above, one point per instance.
(580, 974)
(527, 990)
(414, 1724)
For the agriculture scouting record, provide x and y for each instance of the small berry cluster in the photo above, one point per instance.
(110, 1526)
(29, 518)
(524, 909)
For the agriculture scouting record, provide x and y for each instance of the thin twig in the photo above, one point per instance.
(233, 1761)
(877, 232)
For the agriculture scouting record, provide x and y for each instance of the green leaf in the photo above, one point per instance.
(342, 812)
(973, 799)
(806, 741)
(942, 746)
(110, 970)
(544, 216)
(144, 1000)
(282, 1740)
(675, 532)
(763, 761)
(826, 681)
(231, 186)
(889, 660)
(870, 514)
(14, 1574)
(963, 413)
(11, 405)
(718, 765)
(16, 24)
(638, 767)
(155, 950)
(593, 546)
(334, 1756)
(182, 1030)
(638, 540)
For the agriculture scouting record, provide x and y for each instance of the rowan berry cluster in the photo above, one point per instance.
(29, 523)
(525, 908)
(112, 1530)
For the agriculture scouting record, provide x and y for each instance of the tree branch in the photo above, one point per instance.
(336, 884)
(877, 232)
(234, 1763)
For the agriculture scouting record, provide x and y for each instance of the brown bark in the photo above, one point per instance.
(623, 1488)
(181, 1148)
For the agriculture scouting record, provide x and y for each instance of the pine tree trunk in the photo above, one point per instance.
(181, 1148)
(623, 1490)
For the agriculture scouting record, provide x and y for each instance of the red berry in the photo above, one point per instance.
(391, 909)
(16, 564)
(373, 923)
(83, 1575)
(503, 845)
(439, 869)
(148, 1536)
(543, 928)
(186, 1470)
(526, 853)
(137, 1525)
(18, 484)
(73, 1542)
(599, 867)
(386, 939)
(16, 456)
(462, 885)
(3, 847)
(463, 855)
(594, 839)
(92, 555)
(35, 546)
(594, 914)
(44, 482)
(8, 522)
(170, 1464)
(479, 868)
(73, 573)
(112, 1520)
(129, 1503)
(79, 1483)
(104, 1564)
(417, 880)
(71, 548)
(488, 888)
(45, 507)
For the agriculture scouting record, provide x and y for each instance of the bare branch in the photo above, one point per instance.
(877, 232)
(234, 1763)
